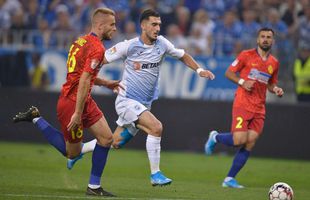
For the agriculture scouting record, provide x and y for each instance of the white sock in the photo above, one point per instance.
(34, 120)
(228, 178)
(153, 152)
(93, 186)
(89, 147)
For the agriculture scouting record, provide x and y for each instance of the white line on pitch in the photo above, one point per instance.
(74, 197)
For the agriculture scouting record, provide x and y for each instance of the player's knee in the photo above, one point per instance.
(105, 140)
(240, 141)
(250, 144)
(157, 129)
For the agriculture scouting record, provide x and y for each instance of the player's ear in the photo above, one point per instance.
(143, 24)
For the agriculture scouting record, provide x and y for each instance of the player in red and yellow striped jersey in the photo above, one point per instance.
(255, 71)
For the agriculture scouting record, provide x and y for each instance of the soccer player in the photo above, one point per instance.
(76, 109)
(142, 58)
(255, 71)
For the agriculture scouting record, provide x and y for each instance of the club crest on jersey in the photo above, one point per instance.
(112, 50)
(94, 63)
(270, 69)
(235, 63)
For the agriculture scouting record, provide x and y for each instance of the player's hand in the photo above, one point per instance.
(207, 74)
(278, 91)
(75, 122)
(248, 85)
(114, 85)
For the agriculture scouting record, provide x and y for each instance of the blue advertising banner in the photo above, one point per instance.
(176, 80)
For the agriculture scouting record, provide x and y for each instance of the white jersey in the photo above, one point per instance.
(142, 64)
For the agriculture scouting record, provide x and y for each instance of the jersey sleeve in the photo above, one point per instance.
(238, 63)
(171, 50)
(118, 51)
(93, 60)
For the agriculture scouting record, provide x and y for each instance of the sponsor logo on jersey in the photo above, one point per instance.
(94, 63)
(235, 63)
(254, 64)
(136, 66)
(150, 65)
(259, 76)
(270, 69)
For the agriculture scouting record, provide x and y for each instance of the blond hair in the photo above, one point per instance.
(105, 11)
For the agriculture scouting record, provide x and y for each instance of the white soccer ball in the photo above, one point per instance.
(281, 191)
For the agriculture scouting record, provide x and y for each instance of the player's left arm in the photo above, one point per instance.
(273, 88)
(272, 83)
(189, 61)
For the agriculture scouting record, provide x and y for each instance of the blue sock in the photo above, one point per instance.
(99, 159)
(239, 161)
(225, 138)
(53, 136)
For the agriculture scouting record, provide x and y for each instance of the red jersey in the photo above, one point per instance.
(85, 55)
(251, 66)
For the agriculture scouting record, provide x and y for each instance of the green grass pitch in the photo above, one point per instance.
(32, 171)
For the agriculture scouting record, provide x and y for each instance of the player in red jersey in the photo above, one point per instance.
(255, 71)
(76, 109)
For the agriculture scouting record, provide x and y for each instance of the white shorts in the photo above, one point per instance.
(128, 111)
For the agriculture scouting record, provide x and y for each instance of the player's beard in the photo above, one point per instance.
(152, 38)
(107, 36)
(265, 48)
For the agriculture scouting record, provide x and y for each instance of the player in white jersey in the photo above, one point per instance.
(142, 58)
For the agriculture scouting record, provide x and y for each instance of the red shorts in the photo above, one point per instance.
(243, 120)
(65, 110)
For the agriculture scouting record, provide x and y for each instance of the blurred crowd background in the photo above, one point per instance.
(211, 28)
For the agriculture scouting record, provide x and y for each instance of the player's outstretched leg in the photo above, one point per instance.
(211, 142)
(27, 116)
(53, 136)
(159, 179)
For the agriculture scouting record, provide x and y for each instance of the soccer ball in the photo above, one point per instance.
(281, 191)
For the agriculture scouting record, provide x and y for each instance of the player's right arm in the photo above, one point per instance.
(83, 88)
(235, 68)
(118, 51)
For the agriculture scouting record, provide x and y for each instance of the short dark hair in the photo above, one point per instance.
(148, 13)
(265, 29)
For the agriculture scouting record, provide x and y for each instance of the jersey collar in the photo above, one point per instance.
(93, 34)
(261, 56)
(147, 45)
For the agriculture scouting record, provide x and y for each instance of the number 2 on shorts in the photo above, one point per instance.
(239, 123)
